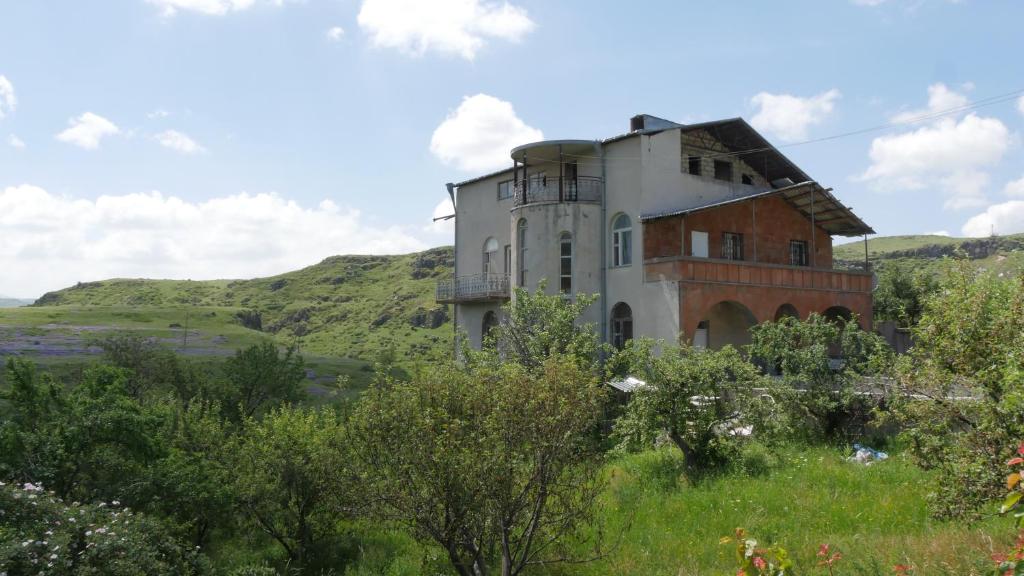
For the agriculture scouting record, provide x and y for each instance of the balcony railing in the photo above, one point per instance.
(475, 288)
(694, 269)
(579, 189)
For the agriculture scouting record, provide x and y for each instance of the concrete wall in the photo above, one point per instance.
(479, 215)
(545, 223)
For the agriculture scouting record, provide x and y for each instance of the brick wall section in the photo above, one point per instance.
(776, 220)
(701, 143)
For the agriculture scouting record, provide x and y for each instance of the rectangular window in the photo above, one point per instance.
(694, 165)
(732, 246)
(504, 190)
(508, 258)
(565, 265)
(798, 252)
(723, 170)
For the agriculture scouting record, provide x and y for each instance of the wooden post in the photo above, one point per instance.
(753, 220)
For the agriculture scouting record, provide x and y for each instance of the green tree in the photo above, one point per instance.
(495, 464)
(707, 402)
(535, 326)
(95, 441)
(261, 378)
(901, 293)
(192, 484)
(960, 391)
(153, 368)
(291, 480)
(823, 361)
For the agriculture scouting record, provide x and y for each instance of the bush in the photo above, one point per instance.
(39, 533)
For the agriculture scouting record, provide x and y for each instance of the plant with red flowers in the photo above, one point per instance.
(828, 558)
(753, 560)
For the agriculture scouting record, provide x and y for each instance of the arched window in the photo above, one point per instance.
(490, 256)
(490, 323)
(622, 324)
(622, 241)
(565, 263)
(521, 255)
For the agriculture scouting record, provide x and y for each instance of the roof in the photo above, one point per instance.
(748, 145)
(627, 384)
(484, 177)
(828, 212)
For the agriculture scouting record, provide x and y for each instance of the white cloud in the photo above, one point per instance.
(788, 117)
(210, 7)
(445, 228)
(950, 153)
(87, 130)
(459, 27)
(1020, 104)
(178, 142)
(335, 33)
(14, 142)
(1005, 218)
(940, 99)
(868, 2)
(479, 135)
(158, 113)
(48, 241)
(1015, 188)
(8, 101)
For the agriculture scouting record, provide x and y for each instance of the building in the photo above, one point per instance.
(695, 232)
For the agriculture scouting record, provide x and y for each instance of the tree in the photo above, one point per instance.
(261, 378)
(824, 361)
(901, 293)
(94, 441)
(495, 464)
(960, 393)
(535, 326)
(706, 401)
(290, 479)
(153, 368)
(192, 484)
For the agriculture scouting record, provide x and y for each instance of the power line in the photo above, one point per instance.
(992, 100)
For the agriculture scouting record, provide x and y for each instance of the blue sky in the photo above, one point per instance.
(213, 138)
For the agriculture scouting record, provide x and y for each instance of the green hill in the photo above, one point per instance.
(999, 253)
(343, 307)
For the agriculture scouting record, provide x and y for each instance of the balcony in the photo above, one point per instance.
(578, 189)
(713, 270)
(475, 288)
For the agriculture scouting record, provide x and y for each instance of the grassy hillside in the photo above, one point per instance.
(345, 306)
(999, 253)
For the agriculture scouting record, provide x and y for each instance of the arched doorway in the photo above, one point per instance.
(729, 323)
(837, 314)
(786, 311)
(622, 325)
(490, 323)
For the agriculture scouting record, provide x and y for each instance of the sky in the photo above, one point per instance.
(240, 138)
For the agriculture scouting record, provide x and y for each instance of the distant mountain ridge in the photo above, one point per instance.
(8, 302)
(345, 306)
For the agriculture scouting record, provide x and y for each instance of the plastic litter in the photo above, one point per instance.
(866, 455)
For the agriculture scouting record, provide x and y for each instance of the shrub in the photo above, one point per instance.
(40, 533)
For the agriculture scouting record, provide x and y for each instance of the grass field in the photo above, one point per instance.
(875, 516)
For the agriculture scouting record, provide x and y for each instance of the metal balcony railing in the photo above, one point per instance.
(579, 189)
(478, 287)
